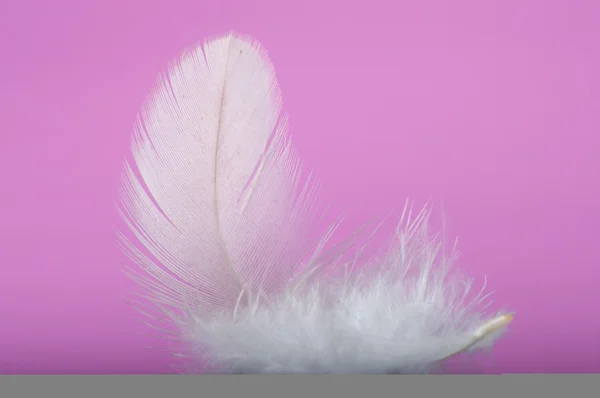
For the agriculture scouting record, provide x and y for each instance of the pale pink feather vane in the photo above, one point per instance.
(222, 232)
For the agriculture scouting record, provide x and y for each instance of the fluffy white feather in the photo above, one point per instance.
(213, 197)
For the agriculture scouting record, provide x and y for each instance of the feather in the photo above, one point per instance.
(223, 234)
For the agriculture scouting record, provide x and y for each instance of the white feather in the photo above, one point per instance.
(214, 197)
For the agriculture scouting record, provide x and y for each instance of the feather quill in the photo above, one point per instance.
(223, 232)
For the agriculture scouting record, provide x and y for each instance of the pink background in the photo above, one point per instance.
(489, 107)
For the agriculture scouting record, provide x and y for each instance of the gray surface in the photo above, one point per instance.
(293, 386)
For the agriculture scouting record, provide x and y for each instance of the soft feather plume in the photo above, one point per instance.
(229, 252)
